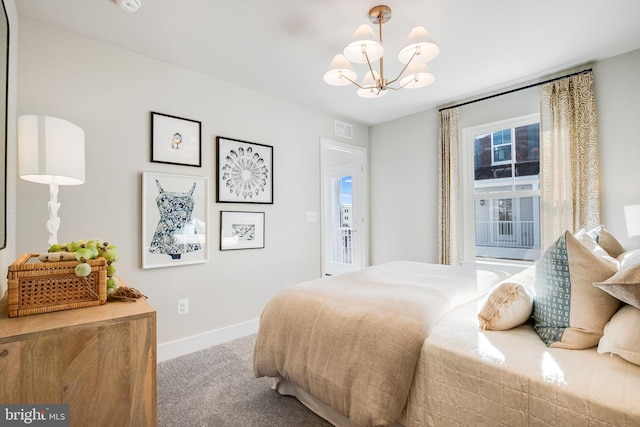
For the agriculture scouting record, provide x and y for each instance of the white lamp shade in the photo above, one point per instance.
(632, 218)
(369, 87)
(50, 150)
(340, 72)
(364, 36)
(417, 74)
(419, 42)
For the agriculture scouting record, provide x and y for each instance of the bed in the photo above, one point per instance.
(399, 344)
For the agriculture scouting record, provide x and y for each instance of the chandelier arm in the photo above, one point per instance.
(402, 71)
(354, 82)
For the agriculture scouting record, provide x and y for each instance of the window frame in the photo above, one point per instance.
(468, 196)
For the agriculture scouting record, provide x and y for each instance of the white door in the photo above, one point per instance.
(343, 208)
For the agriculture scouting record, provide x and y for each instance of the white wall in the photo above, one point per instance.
(617, 87)
(403, 204)
(110, 92)
(404, 161)
(8, 254)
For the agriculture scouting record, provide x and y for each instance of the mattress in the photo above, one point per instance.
(469, 377)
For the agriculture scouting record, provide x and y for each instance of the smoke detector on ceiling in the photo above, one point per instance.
(129, 5)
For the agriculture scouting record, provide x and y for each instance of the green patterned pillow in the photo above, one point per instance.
(570, 312)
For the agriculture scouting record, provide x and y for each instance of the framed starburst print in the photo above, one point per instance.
(245, 171)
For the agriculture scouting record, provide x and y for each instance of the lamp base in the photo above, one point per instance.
(53, 224)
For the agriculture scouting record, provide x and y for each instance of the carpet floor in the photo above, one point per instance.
(216, 388)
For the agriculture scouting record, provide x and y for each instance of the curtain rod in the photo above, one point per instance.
(588, 70)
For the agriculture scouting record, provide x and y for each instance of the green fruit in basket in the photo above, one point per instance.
(94, 243)
(83, 269)
(85, 253)
(112, 282)
(110, 255)
(111, 270)
(56, 247)
(74, 246)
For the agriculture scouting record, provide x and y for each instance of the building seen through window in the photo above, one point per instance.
(506, 187)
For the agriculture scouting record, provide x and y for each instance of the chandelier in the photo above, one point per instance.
(418, 49)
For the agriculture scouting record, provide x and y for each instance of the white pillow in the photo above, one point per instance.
(509, 303)
(622, 335)
(589, 242)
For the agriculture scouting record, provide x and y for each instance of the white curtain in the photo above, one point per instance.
(450, 239)
(569, 188)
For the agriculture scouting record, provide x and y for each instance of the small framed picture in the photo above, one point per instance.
(245, 171)
(175, 140)
(241, 230)
(174, 220)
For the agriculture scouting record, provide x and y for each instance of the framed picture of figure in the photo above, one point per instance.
(174, 220)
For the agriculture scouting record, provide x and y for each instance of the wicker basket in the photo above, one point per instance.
(42, 287)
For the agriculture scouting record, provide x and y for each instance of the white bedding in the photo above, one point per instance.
(470, 377)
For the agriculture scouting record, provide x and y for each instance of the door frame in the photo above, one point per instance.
(347, 154)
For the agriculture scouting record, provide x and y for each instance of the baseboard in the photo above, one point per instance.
(173, 349)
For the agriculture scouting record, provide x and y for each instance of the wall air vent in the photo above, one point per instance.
(344, 130)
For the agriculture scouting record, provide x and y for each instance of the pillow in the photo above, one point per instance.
(607, 241)
(622, 335)
(625, 284)
(509, 303)
(570, 312)
(589, 242)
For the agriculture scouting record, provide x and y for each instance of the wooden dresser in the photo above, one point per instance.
(101, 361)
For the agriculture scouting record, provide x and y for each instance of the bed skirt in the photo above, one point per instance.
(287, 388)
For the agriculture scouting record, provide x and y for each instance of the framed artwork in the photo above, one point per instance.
(175, 140)
(241, 230)
(174, 220)
(245, 171)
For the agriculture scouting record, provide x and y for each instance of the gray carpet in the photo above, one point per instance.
(216, 388)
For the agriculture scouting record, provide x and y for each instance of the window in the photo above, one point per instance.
(501, 175)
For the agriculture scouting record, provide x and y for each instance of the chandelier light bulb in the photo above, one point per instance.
(416, 75)
(363, 39)
(369, 87)
(340, 72)
(418, 41)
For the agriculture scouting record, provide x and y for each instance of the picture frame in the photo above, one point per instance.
(241, 230)
(245, 171)
(174, 220)
(176, 140)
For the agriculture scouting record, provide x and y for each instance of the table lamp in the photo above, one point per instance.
(50, 151)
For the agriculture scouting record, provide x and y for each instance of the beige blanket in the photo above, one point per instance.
(353, 340)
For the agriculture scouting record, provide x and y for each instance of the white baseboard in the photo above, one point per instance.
(173, 349)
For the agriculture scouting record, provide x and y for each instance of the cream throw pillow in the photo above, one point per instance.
(569, 311)
(509, 303)
(625, 284)
(622, 335)
(607, 241)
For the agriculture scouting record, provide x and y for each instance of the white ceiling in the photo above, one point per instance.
(283, 47)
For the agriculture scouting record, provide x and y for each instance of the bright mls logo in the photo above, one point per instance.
(34, 415)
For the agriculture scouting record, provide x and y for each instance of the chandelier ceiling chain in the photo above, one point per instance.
(418, 49)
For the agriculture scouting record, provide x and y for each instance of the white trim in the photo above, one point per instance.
(181, 347)
(361, 153)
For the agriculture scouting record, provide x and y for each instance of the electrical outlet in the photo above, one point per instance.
(183, 306)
